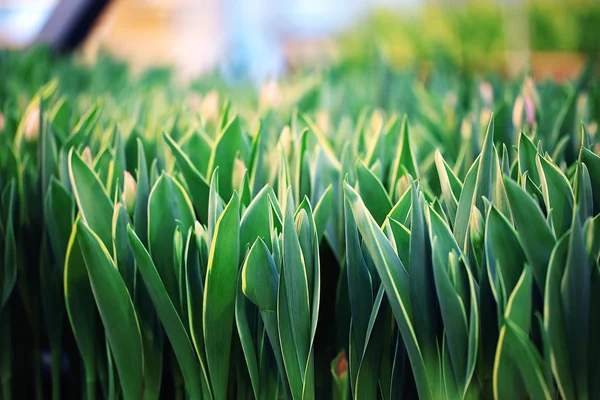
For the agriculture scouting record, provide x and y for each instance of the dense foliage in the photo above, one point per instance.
(353, 233)
(475, 35)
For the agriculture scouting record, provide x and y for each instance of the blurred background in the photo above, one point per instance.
(262, 39)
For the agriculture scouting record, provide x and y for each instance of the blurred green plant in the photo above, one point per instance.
(354, 233)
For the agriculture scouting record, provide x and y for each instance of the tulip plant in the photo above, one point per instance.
(353, 234)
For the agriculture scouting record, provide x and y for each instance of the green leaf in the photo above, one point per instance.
(592, 162)
(323, 142)
(230, 142)
(575, 296)
(484, 182)
(505, 256)
(323, 211)
(359, 282)
(260, 277)
(396, 283)
(94, 204)
(243, 307)
(527, 154)
(594, 347)
(507, 381)
(81, 306)
(152, 334)
(591, 230)
(199, 188)
(422, 286)
(401, 209)
(122, 253)
(197, 146)
(84, 128)
(59, 213)
(499, 196)
(191, 368)
(215, 205)
(168, 208)
(554, 320)
(528, 361)
(453, 312)
(558, 195)
(450, 185)
(48, 159)
(116, 311)
(219, 295)
(8, 269)
(584, 197)
(194, 287)
(293, 308)
(260, 281)
(373, 193)
(304, 232)
(404, 157)
(368, 372)
(463, 213)
(257, 220)
(536, 238)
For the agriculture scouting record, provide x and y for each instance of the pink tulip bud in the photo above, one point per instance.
(210, 106)
(270, 95)
(1, 123)
(86, 156)
(529, 111)
(32, 124)
(486, 92)
(530, 90)
(194, 101)
(341, 368)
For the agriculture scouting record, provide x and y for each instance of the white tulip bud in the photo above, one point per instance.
(129, 192)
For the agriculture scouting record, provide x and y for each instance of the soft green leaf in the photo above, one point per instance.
(535, 236)
(94, 204)
(116, 311)
(168, 208)
(219, 295)
(199, 188)
(191, 368)
(558, 195)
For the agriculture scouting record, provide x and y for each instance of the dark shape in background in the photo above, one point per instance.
(70, 23)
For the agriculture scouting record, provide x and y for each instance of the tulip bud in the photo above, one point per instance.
(1, 123)
(194, 101)
(129, 192)
(32, 124)
(529, 111)
(270, 95)
(210, 106)
(86, 156)
(487, 93)
(517, 115)
(592, 128)
(339, 370)
(530, 90)
(341, 366)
